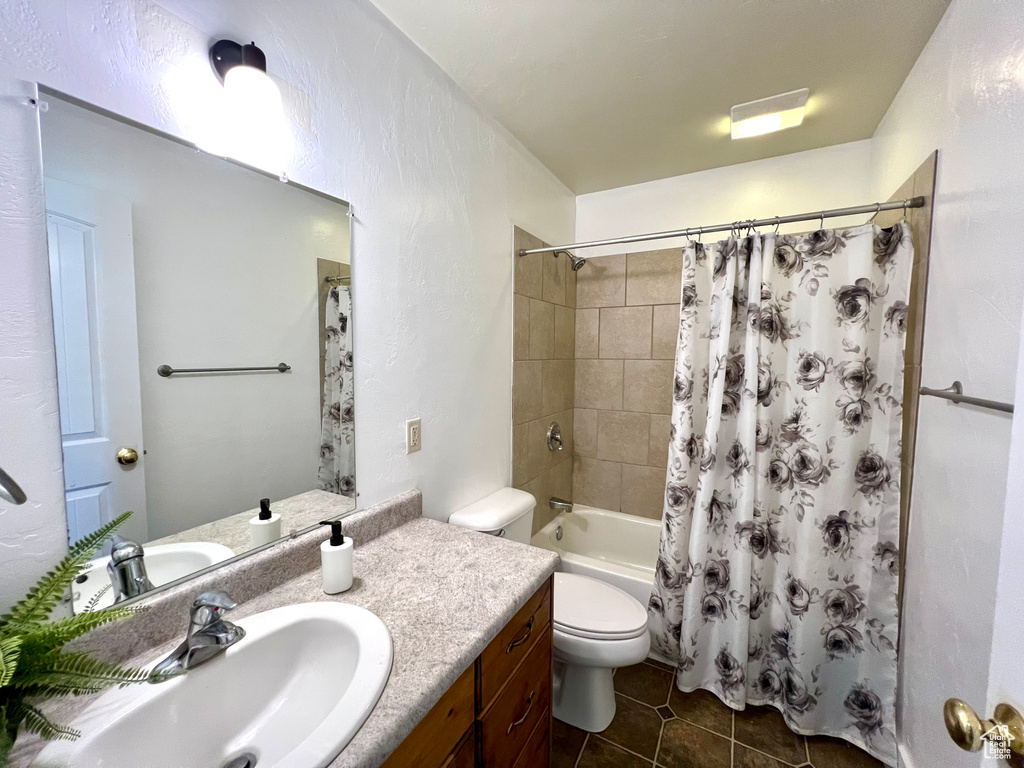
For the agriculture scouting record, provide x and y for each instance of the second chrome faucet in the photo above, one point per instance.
(560, 505)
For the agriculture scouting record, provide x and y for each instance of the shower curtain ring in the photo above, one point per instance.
(700, 234)
(777, 222)
(822, 223)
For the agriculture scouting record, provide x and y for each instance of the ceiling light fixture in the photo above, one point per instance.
(775, 113)
(252, 126)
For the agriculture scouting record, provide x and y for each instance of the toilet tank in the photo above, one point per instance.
(507, 513)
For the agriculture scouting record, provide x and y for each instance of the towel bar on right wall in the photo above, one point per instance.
(955, 392)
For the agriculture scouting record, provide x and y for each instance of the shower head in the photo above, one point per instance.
(576, 262)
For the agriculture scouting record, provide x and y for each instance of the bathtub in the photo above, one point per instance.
(619, 549)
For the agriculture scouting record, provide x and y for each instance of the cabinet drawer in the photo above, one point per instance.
(511, 645)
(512, 718)
(465, 755)
(439, 732)
(538, 748)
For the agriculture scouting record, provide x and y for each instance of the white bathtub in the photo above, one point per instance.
(619, 549)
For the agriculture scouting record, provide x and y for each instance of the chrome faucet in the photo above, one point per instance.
(209, 635)
(127, 569)
(560, 505)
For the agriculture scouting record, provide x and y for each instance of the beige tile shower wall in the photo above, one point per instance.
(627, 310)
(543, 374)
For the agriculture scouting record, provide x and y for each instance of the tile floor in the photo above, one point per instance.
(657, 725)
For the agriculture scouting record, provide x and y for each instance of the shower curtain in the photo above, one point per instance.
(337, 445)
(777, 571)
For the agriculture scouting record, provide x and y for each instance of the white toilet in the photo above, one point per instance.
(598, 627)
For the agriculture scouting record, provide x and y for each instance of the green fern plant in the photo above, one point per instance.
(33, 663)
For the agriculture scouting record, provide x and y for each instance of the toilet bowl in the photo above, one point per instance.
(597, 627)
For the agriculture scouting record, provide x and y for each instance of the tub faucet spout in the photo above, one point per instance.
(560, 505)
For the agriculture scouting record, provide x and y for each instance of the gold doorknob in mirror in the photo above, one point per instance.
(970, 732)
(127, 456)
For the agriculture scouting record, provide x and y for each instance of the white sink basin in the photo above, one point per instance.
(293, 692)
(164, 563)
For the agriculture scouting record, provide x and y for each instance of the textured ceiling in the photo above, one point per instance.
(615, 92)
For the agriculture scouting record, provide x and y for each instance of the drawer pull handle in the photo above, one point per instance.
(519, 641)
(526, 714)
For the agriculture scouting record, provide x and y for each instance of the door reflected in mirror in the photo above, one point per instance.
(203, 324)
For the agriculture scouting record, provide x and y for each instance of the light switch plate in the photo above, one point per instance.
(413, 435)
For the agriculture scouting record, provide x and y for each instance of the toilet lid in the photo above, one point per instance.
(586, 607)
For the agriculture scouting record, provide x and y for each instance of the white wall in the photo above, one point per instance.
(435, 187)
(831, 177)
(965, 96)
(225, 274)
(33, 536)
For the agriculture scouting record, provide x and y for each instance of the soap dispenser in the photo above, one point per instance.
(265, 527)
(336, 560)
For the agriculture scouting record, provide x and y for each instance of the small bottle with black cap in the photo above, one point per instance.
(264, 527)
(336, 559)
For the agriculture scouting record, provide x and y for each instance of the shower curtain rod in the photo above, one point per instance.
(913, 202)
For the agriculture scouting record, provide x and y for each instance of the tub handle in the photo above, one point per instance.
(554, 437)
(521, 720)
(519, 641)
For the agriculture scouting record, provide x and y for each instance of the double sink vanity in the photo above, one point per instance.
(439, 655)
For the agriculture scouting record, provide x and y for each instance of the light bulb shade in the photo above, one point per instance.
(252, 96)
(251, 125)
(755, 118)
(225, 54)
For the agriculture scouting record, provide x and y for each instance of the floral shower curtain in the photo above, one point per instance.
(337, 446)
(777, 571)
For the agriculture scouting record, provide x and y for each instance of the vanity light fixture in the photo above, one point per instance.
(775, 113)
(243, 70)
(253, 127)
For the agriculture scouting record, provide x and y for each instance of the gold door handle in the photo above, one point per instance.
(127, 456)
(1005, 729)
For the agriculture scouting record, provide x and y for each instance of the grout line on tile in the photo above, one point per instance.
(732, 738)
(652, 333)
(690, 722)
(582, 747)
(637, 701)
(767, 754)
(624, 749)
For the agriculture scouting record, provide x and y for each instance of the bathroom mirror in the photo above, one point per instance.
(203, 323)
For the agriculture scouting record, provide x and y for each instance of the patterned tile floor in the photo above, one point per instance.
(656, 725)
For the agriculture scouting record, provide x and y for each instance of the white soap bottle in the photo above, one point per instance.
(265, 527)
(336, 560)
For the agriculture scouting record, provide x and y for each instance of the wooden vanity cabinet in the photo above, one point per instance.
(498, 713)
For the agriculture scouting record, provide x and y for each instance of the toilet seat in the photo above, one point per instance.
(595, 610)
